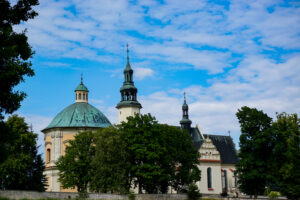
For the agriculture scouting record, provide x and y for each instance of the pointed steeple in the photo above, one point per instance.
(185, 122)
(127, 50)
(128, 72)
(128, 90)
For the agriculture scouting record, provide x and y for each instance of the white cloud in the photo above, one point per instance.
(141, 72)
(180, 34)
(257, 82)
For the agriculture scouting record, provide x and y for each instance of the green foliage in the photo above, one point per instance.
(287, 154)
(274, 194)
(14, 52)
(255, 152)
(14, 65)
(154, 152)
(193, 192)
(110, 163)
(269, 153)
(75, 168)
(22, 168)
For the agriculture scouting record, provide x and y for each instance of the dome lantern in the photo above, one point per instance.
(81, 92)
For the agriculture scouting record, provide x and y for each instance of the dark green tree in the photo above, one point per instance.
(110, 165)
(187, 162)
(255, 153)
(159, 155)
(75, 167)
(15, 53)
(286, 131)
(23, 168)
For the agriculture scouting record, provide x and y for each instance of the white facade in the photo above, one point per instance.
(125, 112)
(222, 175)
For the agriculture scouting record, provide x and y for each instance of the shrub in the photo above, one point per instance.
(274, 195)
(193, 192)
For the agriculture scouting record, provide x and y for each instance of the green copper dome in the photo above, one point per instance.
(80, 114)
(81, 87)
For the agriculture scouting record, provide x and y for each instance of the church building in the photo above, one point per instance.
(218, 154)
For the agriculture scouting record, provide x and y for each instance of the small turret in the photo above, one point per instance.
(185, 122)
(81, 92)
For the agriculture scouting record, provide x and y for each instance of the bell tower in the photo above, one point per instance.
(185, 122)
(128, 106)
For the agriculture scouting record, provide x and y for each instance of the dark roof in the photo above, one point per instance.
(223, 143)
(197, 140)
(226, 147)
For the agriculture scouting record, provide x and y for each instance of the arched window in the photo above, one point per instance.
(76, 96)
(87, 96)
(48, 155)
(209, 183)
(83, 96)
(79, 96)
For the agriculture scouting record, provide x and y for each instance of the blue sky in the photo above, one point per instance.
(223, 54)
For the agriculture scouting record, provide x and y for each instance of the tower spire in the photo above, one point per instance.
(129, 105)
(185, 121)
(81, 80)
(127, 53)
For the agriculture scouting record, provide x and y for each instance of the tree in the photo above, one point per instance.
(287, 154)
(23, 168)
(14, 52)
(14, 65)
(110, 165)
(159, 155)
(255, 153)
(75, 167)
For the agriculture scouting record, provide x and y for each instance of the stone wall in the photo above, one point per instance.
(17, 194)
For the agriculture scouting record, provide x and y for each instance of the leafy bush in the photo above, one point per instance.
(274, 195)
(193, 192)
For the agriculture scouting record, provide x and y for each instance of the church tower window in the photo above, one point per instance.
(79, 96)
(83, 96)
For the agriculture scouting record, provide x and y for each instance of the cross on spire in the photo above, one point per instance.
(81, 79)
(184, 97)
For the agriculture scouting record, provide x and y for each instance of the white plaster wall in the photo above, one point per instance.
(54, 185)
(215, 175)
(125, 112)
(230, 177)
